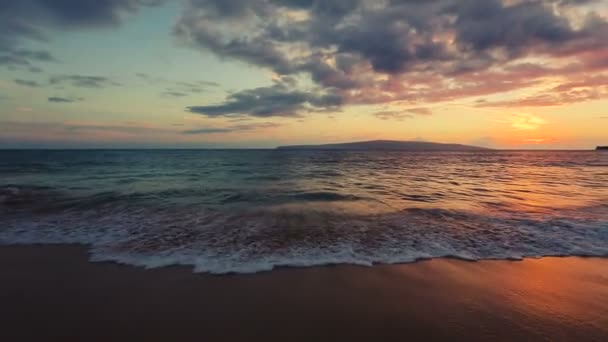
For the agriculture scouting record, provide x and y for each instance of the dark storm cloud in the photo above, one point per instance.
(56, 99)
(527, 25)
(575, 2)
(82, 81)
(391, 37)
(370, 52)
(27, 83)
(277, 100)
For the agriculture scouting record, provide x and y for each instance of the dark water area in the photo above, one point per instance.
(251, 210)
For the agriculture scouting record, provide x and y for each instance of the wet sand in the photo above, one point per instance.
(54, 293)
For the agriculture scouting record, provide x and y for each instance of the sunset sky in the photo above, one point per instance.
(262, 73)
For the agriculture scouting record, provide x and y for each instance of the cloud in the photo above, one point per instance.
(82, 81)
(26, 21)
(276, 100)
(192, 84)
(81, 129)
(124, 127)
(233, 128)
(393, 115)
(207, 131)
(79, 81)
(370, 52)
(420, 111)
(402, 114)
(181, 88)
(197, 84)
(24, 58)
(352, 28)
(577, 89)
(359, 52)
(27, 83)
(174, 94)
(189, 88)
(178, 88)
(30, 19)
(64, 99)
(483, 25)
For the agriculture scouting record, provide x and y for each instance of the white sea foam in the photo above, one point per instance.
(259, 240)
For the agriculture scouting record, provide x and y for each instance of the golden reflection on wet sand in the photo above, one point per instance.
(551, 293)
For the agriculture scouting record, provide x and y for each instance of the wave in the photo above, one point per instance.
(199, 208)
(16, 195)
(260, 239)
(325, 196)
(48, 198)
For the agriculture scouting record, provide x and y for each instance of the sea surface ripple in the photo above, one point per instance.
(244, 211)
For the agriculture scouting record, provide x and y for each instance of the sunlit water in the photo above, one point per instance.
(248, 211)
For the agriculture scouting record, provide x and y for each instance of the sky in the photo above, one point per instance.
(515, 74)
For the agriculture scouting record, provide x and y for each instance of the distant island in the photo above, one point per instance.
(387, 145)
(601, 148)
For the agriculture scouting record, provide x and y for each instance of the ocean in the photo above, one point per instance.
(245, 211)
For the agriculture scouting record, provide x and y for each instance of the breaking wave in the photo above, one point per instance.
(251, 211)
(260, 239)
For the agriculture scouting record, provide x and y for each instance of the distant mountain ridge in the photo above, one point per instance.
(387, 145)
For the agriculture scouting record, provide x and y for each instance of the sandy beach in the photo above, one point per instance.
(55, 293)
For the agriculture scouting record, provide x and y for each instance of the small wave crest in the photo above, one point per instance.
(253, 240)
(18, 195)
(325, 196)
(44, 198)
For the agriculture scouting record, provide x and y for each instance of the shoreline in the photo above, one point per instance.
(92, 258)
(53, 292)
